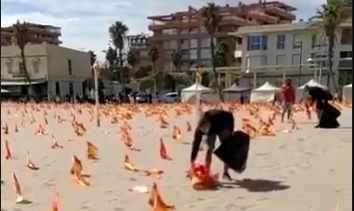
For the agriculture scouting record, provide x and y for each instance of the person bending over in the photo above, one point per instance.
(213, 123)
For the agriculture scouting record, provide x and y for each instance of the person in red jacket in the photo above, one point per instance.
(288, 99)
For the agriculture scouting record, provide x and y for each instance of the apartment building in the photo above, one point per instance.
(184, 31)
(35, 33)
(297, 50)
(53, 70)
(140, 45)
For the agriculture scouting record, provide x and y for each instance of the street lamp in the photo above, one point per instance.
(95, 70)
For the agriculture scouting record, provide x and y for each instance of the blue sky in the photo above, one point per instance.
(85, 22)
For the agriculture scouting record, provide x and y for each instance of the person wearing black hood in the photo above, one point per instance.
(326, 113)
(219, 123)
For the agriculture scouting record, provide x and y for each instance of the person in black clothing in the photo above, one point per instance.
(327, 115)
(213, 123)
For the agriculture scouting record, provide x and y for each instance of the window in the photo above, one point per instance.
(281, 41)
(205, 54)
(205, 43)
(57, 88)
(256, 61)
(295, 59)
(347, 37)
(257, 42)
(9, 66)
(21, 68)
(69, 67)
(185, 44)
(297, 41)
(35, 65)
(346, 54)
(280, 60)
(193, 54)
(194, 43)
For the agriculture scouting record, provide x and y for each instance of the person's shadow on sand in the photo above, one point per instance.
(258, 185)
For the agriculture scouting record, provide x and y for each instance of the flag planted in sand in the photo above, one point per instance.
(29, 163)
(7, 152)
(91, 151)
(155, 200)
(163, 151)
(18, 190)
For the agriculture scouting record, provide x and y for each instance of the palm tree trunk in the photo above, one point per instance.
(212, 48)
(121, 68)
(28, 78)
(155, 80)
(330, 74)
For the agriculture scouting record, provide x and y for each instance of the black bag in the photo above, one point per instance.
(329, 117)
(234, 151)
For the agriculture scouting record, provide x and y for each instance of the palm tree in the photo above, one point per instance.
(118, 32)
(176, 57)
(329, 17)
(22, 38)
(211, 22)
(111, 57)
(220, 57)
(132, 58)
(154, 56)
(93, 57)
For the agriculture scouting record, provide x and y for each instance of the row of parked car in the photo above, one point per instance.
(170, 97)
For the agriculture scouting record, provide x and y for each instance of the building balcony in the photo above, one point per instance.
(18, 75)
(173, 24)
(280, 12)
(234, 20)
(260, 16)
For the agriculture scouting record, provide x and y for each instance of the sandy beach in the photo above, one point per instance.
(307, 169)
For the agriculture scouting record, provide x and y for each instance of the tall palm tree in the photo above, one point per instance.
(118, 32)
(111, 57)
(154, 56)
(22, 38)
(176, 57)
(329, 17)
(212, 19)
(93, 57)
(133, 60)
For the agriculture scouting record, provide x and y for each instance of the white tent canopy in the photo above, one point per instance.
(235, 88)
(347, 93)
(264, 93)
(189, 94)
(196, 88)
(235, 92)
(313, 83)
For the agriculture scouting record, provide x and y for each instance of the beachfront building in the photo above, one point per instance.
(184, 31)
(139, 44)
(53, 70)
(35, 33)
(293, 50)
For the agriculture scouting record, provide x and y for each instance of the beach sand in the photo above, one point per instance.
(305, 170)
